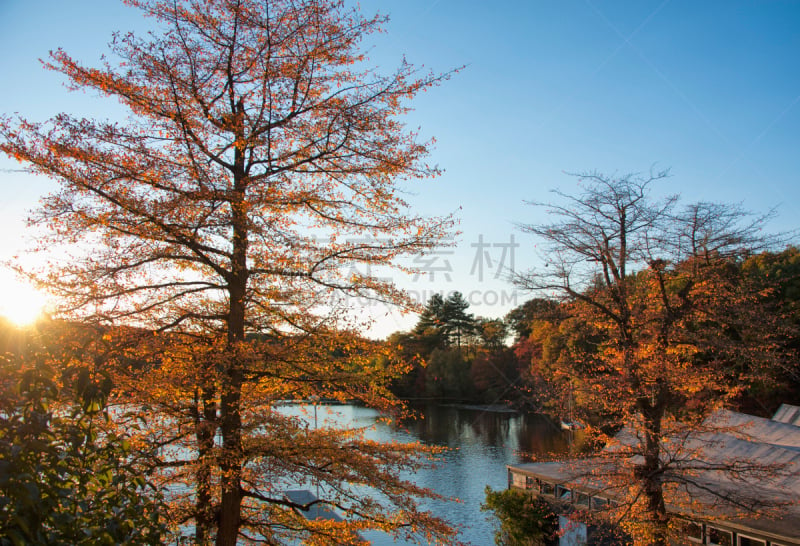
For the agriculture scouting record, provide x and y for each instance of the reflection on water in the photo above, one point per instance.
(518, 434)
(481, 444)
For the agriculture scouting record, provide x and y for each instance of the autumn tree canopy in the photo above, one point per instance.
(669, 326)
(211, 233)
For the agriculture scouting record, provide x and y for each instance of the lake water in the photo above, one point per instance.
(481, 443)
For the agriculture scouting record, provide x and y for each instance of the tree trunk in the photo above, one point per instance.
(650, 475)
(232, 458)
(231, 428)
(231, 461)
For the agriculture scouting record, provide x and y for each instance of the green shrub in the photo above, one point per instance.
(525, 520)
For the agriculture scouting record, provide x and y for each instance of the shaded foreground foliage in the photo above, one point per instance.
(65, 478)
(525, 520)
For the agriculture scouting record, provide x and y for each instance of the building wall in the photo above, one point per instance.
(573, 533)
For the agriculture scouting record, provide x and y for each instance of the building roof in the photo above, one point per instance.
(787, 414)
(731, 459)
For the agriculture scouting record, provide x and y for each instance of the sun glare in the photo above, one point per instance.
(20, 303)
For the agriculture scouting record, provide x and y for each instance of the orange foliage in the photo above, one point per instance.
(665, 326)
(214, 235)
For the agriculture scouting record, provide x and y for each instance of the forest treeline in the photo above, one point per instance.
(519, 360)
(524, 358)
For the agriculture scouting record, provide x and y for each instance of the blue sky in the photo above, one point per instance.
(710, 89)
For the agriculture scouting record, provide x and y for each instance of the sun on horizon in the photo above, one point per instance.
(20, 303)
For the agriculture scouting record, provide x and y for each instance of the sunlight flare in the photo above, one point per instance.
(19, 301)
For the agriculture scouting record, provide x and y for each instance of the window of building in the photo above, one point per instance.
(692, 530)
(563, 493)
(529, 482)
(718, 537)
(750, 541)
(581, 499)
(599, 503)
(546, 488)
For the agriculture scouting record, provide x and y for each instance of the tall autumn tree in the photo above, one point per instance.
(677, 326)
(256, 172)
